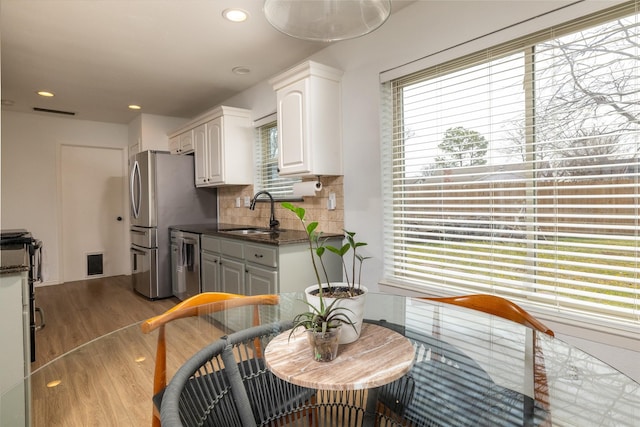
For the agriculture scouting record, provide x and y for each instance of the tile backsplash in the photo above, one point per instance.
(316, 207)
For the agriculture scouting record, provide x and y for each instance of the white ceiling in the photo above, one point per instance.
(172, 57)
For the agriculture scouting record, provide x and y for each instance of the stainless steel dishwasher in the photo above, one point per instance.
(185, 264)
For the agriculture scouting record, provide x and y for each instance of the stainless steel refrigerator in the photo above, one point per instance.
(163, 194)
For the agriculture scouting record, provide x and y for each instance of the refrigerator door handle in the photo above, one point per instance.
(135, 179)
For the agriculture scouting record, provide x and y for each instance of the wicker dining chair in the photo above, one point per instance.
(451, 389)
(203, 303)
(227, 384)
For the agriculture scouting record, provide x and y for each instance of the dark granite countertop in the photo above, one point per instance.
(283, 237)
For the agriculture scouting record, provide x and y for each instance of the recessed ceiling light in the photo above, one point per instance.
(45, 93)
(235, 15)
(134, 107)
(241, 70)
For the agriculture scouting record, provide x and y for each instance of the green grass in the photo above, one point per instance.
(591, 259)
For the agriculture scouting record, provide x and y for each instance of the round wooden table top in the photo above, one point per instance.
(378, 357)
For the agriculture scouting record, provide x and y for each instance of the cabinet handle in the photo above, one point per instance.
(258, 255)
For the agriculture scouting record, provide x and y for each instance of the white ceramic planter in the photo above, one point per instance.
(355, 304)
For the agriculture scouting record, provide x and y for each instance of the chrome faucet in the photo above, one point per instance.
(273, 222)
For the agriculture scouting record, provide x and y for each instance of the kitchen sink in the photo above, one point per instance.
(249, 230)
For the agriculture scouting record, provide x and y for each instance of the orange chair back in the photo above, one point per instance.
(207, 302)
(496, 306)
(506, 309)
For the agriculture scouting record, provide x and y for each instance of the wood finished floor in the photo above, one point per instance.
(105, 381)
(78, 312)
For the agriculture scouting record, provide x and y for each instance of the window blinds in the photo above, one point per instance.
(515, 171)
(267, 177)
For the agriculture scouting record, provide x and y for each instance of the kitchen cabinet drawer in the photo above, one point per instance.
(210, 244)
(262, 255)
(232, 248)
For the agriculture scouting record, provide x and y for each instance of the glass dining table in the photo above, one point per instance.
(469, 368)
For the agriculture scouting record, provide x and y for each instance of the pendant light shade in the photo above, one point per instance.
(326, 20)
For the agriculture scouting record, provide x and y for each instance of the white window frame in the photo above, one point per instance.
(623, 326)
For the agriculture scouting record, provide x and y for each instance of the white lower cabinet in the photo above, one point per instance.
(232, 276)
(210, 264)
(210, 272)
(247, 268)
(261, 280)
(15, 356)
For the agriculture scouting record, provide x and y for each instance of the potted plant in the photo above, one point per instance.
(323, 326)
(349, 294)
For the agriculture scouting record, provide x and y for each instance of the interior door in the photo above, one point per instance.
(93, 209)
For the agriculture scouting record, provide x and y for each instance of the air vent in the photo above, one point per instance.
(94, 264)
(48, 110)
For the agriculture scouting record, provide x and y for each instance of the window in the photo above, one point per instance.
(516, 172)
(267, 177)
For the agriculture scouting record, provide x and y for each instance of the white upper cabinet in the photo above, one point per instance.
(186, 142)
(214, 153)
(223, 147)
(183, 143)
(174, 144)
(201, 161)
(309, 120)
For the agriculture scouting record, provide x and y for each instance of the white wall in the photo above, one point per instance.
(423, 34)
(30, 144)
